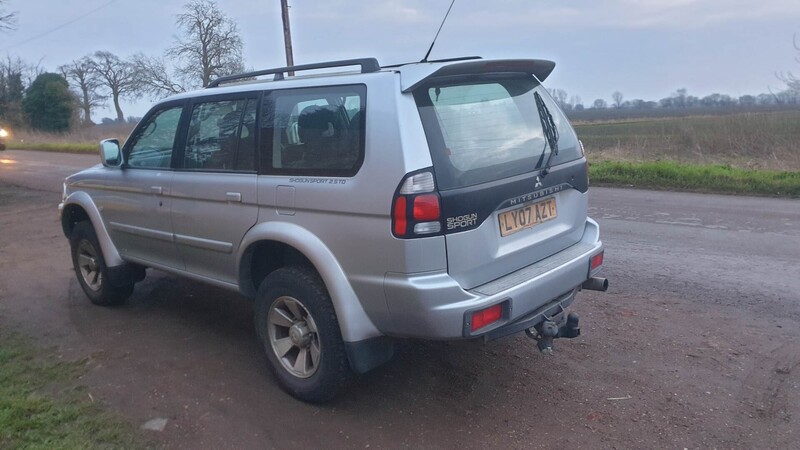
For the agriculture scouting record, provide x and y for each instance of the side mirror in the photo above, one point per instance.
(110, 153)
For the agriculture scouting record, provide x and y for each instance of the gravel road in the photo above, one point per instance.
(696, 344)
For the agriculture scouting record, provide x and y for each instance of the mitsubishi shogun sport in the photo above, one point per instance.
(437, 200)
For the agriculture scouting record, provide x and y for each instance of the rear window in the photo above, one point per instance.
(481, 131)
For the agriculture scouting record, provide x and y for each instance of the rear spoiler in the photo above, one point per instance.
(540, 68)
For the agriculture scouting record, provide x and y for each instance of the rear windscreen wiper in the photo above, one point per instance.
(550, 133)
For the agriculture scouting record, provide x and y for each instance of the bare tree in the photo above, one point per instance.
(560, 96)
(599, 104)
(617, 97)
(153, 78)
(792, 82)
(681, 97)
(82, 75)
(8, 20)
(575, 101)
(117, 77)
(210, 45)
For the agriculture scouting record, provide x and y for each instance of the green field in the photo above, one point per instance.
(750, 141)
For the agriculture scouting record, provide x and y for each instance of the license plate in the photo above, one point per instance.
(527, 216)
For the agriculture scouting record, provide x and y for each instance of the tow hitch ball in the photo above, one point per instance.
(546, 331)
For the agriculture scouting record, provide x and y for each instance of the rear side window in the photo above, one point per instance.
(314, 131)
(221, 136)
(484, 131)
(153, 143)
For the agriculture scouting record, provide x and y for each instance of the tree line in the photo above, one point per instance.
(208, 46)
(681, 99)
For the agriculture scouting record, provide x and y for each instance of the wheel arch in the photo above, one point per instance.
(79, 207)
(282, 244)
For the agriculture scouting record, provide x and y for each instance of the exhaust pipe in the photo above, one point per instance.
(596, 284)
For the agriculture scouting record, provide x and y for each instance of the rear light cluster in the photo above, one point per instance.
(416, 208)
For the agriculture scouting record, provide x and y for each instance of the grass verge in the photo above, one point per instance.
(41, 408)
(697, 178)
(54, 147)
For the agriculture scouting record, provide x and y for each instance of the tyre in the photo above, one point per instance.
(91, 270)
(297, 325)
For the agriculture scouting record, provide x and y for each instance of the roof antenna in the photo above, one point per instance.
(425, 59)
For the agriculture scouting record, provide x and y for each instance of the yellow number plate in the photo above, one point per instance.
(527, 216)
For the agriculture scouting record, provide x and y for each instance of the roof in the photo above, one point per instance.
(412, 75)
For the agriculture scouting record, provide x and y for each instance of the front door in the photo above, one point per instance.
(136, 205)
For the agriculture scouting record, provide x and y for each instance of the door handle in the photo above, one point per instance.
(156, 190)
(233, 196)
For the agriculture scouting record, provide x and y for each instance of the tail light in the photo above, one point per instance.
(416, 208)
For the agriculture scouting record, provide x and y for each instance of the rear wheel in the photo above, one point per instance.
(91, 270)
(297, 325)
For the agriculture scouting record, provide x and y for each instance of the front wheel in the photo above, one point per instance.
(297, 325)
(91, 270)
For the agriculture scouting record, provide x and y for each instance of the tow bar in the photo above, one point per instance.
(545, 332)
(555, 327)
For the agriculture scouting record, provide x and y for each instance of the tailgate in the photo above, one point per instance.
(497, 245)
(501, 208)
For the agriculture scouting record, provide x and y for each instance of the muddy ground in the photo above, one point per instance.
(696, 345)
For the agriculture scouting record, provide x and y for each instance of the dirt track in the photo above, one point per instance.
(696, 345)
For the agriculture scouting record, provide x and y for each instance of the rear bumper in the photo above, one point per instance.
(433, 305)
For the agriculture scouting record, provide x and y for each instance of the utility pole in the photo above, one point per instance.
(287, 34)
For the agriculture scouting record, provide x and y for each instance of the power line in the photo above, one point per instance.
(54, 29)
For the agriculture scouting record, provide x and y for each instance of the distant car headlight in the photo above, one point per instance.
(3, 133)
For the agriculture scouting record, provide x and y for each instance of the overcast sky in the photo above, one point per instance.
(643, 48)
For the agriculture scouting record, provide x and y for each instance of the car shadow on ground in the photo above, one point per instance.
(178, 342)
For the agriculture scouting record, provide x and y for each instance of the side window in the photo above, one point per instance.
(220, 136)
(152, 146)
(314, 131)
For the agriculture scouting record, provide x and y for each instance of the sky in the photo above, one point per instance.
(643, 48)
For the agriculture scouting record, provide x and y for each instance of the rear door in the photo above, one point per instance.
(214, 188)
(500, 212)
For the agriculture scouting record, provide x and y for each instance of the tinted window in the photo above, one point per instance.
(485, 131)
(152, 145)
(220, 136)
(315, 131)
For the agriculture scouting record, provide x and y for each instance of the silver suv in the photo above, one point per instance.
(437, 200)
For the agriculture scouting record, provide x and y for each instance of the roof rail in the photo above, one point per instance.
(368, 65)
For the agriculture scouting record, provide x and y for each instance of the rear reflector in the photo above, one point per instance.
(486, 317)
(597, 260)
